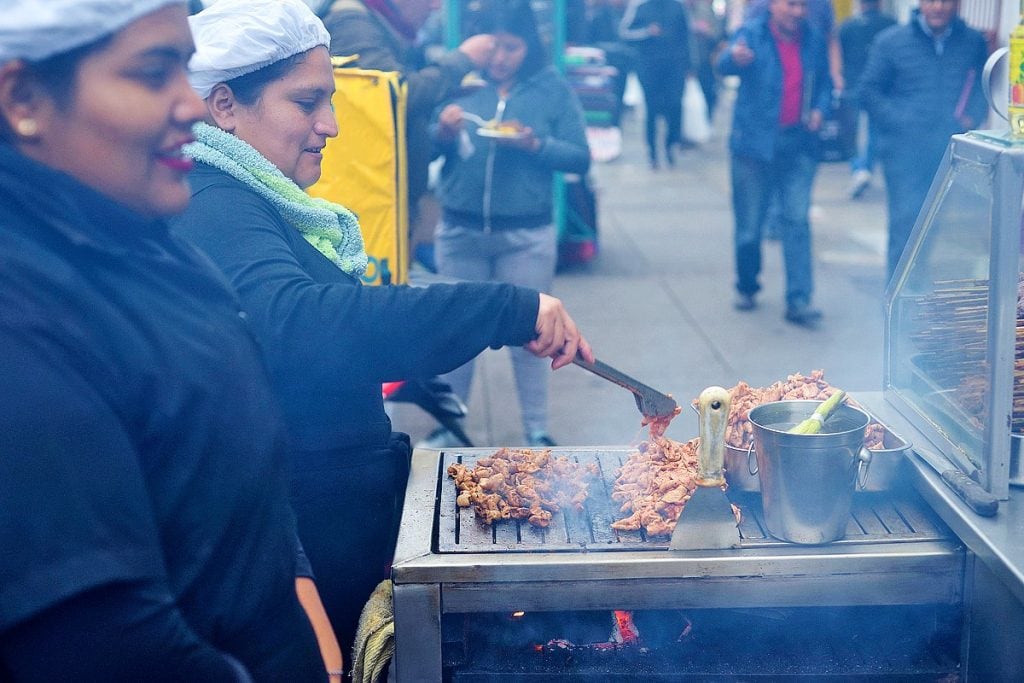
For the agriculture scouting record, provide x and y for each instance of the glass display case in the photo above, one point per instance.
(954, 341)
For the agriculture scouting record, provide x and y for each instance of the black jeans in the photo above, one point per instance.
(663, 97)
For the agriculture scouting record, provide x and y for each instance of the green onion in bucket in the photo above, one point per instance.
(812, 425)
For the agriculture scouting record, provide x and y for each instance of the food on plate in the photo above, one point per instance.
(501, 129)
(740, 432)
(522, 483)
(506, 128)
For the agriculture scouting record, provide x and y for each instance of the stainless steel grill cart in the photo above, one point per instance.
(452, 574)
(921, 588)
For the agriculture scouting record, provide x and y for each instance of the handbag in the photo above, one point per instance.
(837, 137)
(696, 128)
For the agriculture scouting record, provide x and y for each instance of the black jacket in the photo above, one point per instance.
(329, 341)
(669, 51)
(913, 94)
(142, 456)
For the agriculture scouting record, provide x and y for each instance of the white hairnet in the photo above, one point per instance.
(36, 29)
(236, 37)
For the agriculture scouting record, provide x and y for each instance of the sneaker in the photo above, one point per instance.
(803, 315)
(744, 302)
(670, 156)
(540, 440)
(439, 438)
(860, 181)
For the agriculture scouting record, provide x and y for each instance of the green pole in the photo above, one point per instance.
(558, 39)
(453, 23)
(558, 56)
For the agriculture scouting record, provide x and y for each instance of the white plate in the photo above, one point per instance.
(500, 134)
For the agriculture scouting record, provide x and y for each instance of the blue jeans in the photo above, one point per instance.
(790, 175)
(524, 257)
(864, 160)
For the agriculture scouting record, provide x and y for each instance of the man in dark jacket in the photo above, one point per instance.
(784, 89)
(921, 85)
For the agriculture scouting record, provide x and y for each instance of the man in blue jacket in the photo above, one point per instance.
(784, 89)
(922, 84)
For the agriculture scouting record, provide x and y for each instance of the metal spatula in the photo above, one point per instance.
(707, 521)
(652, 404)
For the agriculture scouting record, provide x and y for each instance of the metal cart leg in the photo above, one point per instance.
(417, 633)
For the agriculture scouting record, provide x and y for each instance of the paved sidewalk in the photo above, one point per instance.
(657, 301)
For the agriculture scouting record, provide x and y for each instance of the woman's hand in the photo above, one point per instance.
(449, 123)
(557, 335)
(479, 49)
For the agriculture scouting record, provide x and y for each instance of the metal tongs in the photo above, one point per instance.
(652, 404)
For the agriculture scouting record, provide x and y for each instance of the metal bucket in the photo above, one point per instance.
(807, 480)
(886, 464)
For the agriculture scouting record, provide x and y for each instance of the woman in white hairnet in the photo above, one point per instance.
(264, 70)
(144, 520)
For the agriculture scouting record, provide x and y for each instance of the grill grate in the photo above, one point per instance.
(874, 518)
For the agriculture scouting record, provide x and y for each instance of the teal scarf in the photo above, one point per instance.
(331, 228)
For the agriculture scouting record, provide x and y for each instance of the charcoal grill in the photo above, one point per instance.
(457, 582)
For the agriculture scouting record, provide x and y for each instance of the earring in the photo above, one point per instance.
(26, 128)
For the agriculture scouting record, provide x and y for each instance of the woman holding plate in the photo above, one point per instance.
(502, 145)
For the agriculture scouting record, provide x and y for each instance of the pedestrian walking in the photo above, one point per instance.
(496, 189)
(784, 91)
(856, 35)
(821, 16)
(659, 32)
(921, 85)
(707, 37)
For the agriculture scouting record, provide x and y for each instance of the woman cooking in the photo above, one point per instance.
(144, 521)
(496, 185)
(264, 70)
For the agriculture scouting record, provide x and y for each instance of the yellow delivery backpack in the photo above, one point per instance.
(364, 168)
